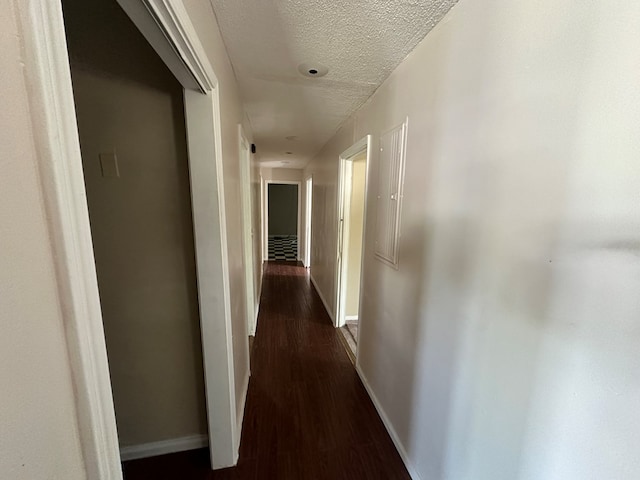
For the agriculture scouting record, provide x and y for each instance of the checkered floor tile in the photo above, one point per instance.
(283, 247)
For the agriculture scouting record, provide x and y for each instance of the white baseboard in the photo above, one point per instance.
(257, 307)
(324, 300)
(255, 320)
(387, 423)
(163, 447)
(351, 317)
(243, 404)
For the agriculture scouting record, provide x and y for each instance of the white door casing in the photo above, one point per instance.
(247, 230)
(343, 205)
(265, 214)
(168, 28)
(307, 221)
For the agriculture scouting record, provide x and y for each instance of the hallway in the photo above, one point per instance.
(307, 415)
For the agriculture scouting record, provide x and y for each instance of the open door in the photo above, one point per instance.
(247, 230)
(282, 219)
(351, 217)
(307, 221)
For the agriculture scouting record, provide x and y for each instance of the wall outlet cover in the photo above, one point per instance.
(109, 165)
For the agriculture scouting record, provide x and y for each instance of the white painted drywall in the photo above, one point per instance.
(231, 113)
(281, 174)
(505, 345)
(324, 224)
(129, 103)
(39, 433)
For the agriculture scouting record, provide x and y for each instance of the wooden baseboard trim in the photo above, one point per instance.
(243, 404)
(163, 447)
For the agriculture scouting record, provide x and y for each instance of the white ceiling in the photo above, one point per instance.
(360, 41)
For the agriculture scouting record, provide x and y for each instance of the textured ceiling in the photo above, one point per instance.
(359, 41)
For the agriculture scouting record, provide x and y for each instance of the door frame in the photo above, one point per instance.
(263, 227)
(308, 213)
(247, 229)
(166, 25)
(343, 208)
(265, 213)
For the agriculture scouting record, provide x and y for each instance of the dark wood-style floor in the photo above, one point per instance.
(307, 415)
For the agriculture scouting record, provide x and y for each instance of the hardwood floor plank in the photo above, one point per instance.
(307, 416)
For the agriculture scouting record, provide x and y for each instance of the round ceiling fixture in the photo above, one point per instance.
(312, 70)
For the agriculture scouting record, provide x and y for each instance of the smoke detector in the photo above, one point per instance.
(312, 70)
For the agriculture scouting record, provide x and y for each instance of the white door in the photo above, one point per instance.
(307, 226)
(247, 231)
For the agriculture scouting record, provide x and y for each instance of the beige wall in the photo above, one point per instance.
(356, 224)
(324, 223)
(231, 114)
(141, 224)
(505, 345)
(281, 174)
(39, 433)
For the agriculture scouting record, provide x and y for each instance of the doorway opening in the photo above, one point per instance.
(307, 221)
(352, 187)
(133, 144)
(179, 93)
(283, 221)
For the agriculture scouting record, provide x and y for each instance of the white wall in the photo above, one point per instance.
(231, 114)
(505, 345)
(324, 223)
(39, 434)
(281, 174)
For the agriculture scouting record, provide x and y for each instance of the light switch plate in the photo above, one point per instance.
(109, 165)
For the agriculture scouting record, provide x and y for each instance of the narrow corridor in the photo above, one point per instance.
(307, 415)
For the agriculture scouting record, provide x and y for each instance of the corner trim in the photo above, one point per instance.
(163, 447)
(324, 300)
(389, 426)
